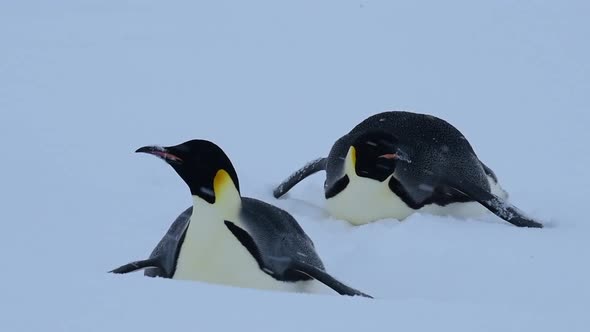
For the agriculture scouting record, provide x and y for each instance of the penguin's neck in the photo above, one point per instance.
(207, 221)
(227, 205)
(207, 237)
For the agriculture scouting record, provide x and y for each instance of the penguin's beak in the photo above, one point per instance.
(160, 152)
(398, 155)
(389, 156)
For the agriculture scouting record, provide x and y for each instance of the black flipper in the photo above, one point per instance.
(247, 241)
(137, 265)
(307, 170)
(286, 266)
(289, 264)
(168, 248)
(495, 204)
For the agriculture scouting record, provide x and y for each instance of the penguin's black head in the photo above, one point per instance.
(375, 155)
(199, 163)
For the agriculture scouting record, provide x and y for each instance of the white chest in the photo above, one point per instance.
(365, 200)
(211, 253)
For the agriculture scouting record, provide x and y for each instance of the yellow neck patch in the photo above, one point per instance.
(221, 182)
(350, 162)
(227, 196)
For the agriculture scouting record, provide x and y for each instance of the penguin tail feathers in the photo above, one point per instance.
(135, 266)
(310, 168)
(318, 274)
(495, 204)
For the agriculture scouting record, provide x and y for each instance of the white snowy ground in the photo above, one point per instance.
(85, 83)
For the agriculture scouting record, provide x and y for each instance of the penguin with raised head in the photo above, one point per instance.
(396, 163)
(228, 239)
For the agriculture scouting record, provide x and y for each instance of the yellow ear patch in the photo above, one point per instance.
(227, 196)
(221, 182)
(350, 162)
(353, 156)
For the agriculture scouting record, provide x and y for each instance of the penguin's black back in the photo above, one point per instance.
(278, 235)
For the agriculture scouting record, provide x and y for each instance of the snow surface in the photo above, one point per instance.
(85, 83)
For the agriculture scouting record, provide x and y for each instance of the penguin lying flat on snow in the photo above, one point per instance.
(228, 239)
(395, 163)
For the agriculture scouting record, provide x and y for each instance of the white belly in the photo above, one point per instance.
(211, 253)
(365, 200)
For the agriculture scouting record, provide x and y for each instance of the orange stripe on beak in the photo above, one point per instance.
(166, 155)
(389, 156)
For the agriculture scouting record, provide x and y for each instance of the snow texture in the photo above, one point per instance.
(85, 83)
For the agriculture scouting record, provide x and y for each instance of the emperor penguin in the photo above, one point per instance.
(228, 239)
(396, 163)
